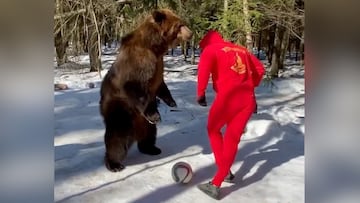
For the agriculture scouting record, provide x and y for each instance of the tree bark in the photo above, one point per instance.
(283, 48)
(95, 62)
(78, 39)
(271, 39)
(249, 41)
(275, 59)
(94, 44)
(193, 50)
(184, 50)
(285, 39)
(60, 42)
(68, 14)
(302, 48)
(81, 40)
(259, 44)
(60, 47)
(156, 4)
(226, 7)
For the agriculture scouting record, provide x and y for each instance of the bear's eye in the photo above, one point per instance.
(178, 27)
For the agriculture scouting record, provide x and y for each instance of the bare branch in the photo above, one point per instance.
(68, 14)
(124, 1)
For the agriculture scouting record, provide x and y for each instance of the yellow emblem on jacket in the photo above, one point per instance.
(238, 66)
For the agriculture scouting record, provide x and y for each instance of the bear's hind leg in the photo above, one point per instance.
(117, 147)
(147, 144)
(119, 134)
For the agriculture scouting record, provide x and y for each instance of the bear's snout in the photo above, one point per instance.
(185, 33)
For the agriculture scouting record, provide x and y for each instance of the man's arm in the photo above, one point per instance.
(258, 69)
(205, 66)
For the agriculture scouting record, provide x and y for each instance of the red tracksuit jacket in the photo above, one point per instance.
(230, 65)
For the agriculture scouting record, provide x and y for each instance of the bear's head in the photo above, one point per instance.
(172, 28)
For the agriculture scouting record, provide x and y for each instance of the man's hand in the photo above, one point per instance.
(202, 100)
(256, 108)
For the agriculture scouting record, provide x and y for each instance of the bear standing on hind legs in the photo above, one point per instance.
(129, 89)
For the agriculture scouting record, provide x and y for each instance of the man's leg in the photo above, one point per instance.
(216, 121)
(231, 140)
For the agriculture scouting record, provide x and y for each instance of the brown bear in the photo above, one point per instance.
(129, 90)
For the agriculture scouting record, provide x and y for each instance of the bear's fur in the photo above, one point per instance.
(129, 89)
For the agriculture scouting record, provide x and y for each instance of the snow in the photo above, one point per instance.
(269, 166)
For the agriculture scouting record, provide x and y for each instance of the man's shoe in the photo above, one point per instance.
(210, 189)
(229, 178)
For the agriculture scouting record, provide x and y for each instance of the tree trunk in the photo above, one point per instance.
(301, 49)
(284, 45)
(60, 47)
(85, 37)
(249, 41)
(95, 62)
(271, 39)
(226, 7)
(302, 45)
(94, 44)
(193, 50)
(60, 41)
(185, 52)
(285, 39)
(182, 48)
(156, 4)
(79, 40)
(290, 47)
(275, 59)
(81, 43)
(259, 44)
(297, 45)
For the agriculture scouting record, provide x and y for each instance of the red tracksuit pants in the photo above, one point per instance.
(233, 110)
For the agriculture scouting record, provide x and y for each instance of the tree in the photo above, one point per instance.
(247, 25)
(94, 42)
(274, 26)
(284, 16)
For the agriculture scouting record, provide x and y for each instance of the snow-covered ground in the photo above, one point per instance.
(269, 167)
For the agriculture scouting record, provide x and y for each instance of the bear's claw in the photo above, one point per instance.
(113, 166)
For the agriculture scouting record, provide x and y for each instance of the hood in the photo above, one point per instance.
(211, 37)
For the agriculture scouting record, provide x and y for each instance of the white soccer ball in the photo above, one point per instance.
(182, 172)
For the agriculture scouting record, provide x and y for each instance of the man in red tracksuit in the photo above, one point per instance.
(235, 73)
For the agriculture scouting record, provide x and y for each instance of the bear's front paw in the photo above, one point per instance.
(153, 118)
(153, 150)
(113, 166)
(170, 102)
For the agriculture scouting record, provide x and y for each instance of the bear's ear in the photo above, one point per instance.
(158, 16)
